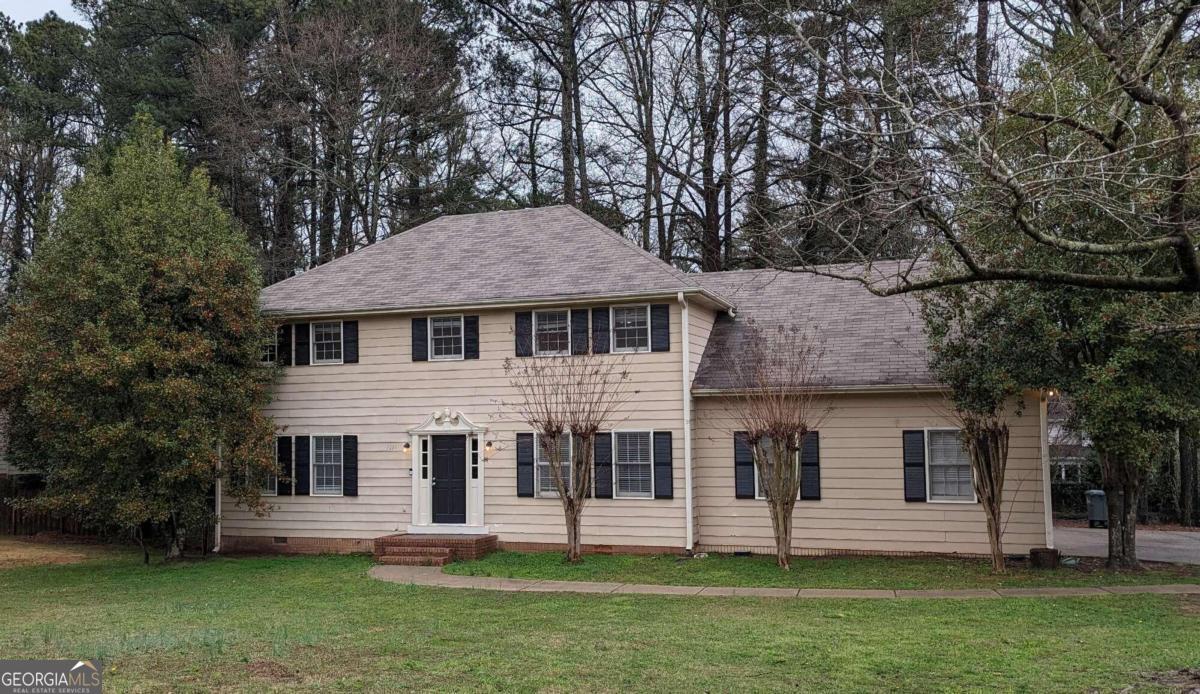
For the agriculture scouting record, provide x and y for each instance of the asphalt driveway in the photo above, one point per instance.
(1177, 547)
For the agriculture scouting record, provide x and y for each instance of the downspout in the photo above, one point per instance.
(1047, 499)
(217, 507)
(687, 419)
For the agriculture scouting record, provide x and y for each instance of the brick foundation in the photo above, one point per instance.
(589, 549)
(244, 544)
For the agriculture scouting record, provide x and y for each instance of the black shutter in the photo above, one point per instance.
(350, 342)
(524, 334)
(914, 465)
(660, 327)
(810, 467)
(470, 337)
(283, 462)
(663, 483)
(349, 466)
(301, 354)
(302, 465)
(743, 467)
(600, 330)
(283, 345)
(524, 464)
(420, 339)
(602, 459)
(579, 331)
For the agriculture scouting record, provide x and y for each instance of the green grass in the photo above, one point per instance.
(322, 623)
(820, 572)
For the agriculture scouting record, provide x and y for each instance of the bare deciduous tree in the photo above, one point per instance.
(573, 398)
(775, 402)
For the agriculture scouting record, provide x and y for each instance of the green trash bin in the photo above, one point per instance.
(1097, 508)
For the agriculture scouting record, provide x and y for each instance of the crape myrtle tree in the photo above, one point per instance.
(985, 377)
(566, 401)
(775, 404)
(130, 365)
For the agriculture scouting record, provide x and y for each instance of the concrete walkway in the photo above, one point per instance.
(1174, 546)
(433, 576)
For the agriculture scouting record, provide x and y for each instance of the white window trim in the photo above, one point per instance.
(462, 331)
(614, 462)
(612, 329)
(929, 487)
(537, 482)
(533, 335)
(271, 362)
(312, 465)
(312, 344)
(757, 487)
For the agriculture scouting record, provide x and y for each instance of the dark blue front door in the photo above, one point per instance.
(449, 479)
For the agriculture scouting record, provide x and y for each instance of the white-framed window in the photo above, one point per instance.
(551, 332)
(948, 469)
(633, 465)
(446, 338)
(545, 478)
(271, 484)
(270, 351)
(327, 465)
(327, 343)
(631, 328)
(760, 492)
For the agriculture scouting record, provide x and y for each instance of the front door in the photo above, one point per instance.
(449, 479)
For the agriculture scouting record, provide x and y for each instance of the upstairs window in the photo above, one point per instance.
(545, 477)
(327, 343)
(949, 466)
(631, 328)
(633, 467)
(327, 466)
(446, 337)
(551, 333)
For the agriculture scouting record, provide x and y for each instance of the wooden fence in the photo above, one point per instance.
(18, 521)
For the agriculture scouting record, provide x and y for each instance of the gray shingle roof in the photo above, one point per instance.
(868, 340)
(541, 253)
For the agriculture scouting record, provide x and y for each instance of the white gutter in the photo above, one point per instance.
(217, 507)
(503, 304)
(898, 388)
(686, 349)
(1047, 500)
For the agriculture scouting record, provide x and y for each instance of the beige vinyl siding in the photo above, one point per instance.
(700, 325)
(862, 503)
(387, 394)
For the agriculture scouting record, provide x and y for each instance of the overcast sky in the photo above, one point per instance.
(23, 11)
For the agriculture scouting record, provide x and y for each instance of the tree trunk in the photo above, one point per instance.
(986, 441)
(781, 525)
(574, 514)
(1121, 489)
(1188, 481)
(566, 104)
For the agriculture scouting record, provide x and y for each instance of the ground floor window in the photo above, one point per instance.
(949, 466)
(545, 478)
(327, 465)
(633, 467)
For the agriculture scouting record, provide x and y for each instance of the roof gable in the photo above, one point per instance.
(521, 255)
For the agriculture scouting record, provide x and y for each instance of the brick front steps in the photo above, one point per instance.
(432, 550)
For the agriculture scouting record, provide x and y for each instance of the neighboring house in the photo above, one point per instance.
(394, 384)
(1070, 450)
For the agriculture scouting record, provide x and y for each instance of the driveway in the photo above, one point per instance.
(1177, 547)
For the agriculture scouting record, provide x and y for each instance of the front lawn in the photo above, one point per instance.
(322, 623)
(814, 572)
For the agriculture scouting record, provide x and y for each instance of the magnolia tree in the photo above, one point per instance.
(568, 400)
(130, 363)
(775, 403)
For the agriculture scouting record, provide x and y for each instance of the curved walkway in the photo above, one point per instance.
(433, 576)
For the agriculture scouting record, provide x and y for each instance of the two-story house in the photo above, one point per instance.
(392, 417)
